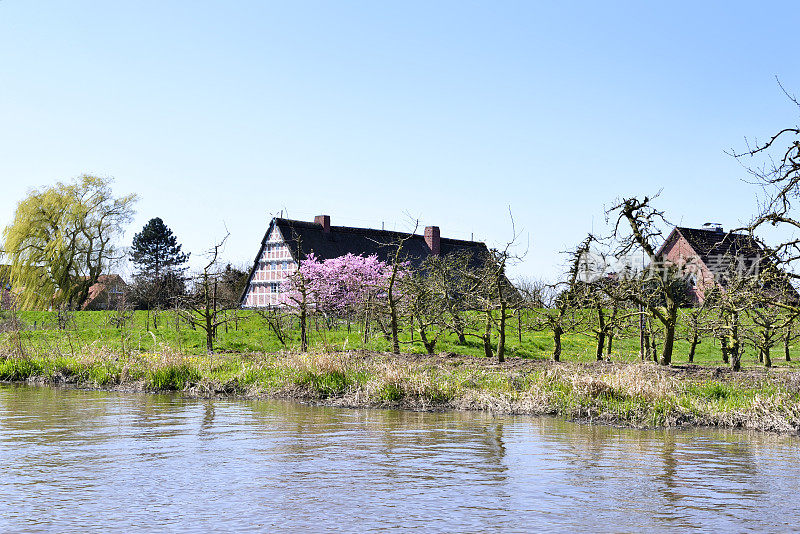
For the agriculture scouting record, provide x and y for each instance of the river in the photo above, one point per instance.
(78, 461)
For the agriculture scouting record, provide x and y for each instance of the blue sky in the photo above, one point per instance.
(221, 114)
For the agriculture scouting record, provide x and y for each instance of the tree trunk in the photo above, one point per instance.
(669, 342)
(366, 321)
(736, 353)
(693, 346)
(609, 341)
(767, 358)
(487, 337)
(654, 350)
(723, 343)
(501, 339)
(642, 343)
(209, 326)
(600, 334)
(393, 325)
(557, 331)
(786, 347)
(601, 342)
(458, 327)
(303, 330)
(429, 345)
(669, 335)
(736, 357)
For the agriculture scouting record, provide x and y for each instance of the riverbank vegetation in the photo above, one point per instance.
(102, 350)
(638, 394)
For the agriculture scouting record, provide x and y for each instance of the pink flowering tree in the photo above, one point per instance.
(341, 285)
(336, 287)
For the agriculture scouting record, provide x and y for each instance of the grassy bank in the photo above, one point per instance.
(640, 395)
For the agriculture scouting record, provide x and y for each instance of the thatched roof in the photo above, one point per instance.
(307, 237)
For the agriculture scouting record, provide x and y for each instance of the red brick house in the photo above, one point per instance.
(706, 254)
(287, 242)
(108, 293)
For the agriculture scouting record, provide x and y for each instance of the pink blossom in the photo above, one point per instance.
(337, 285)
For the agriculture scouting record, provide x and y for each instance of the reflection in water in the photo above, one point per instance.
(82, 460)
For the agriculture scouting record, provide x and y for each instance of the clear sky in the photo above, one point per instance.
(225, 113)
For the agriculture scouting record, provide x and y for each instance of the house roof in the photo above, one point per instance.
(716, 248)
(711, 242)
(307, 237)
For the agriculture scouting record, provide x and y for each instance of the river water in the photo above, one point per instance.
(78, 461)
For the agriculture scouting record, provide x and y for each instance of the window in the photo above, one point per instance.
(273, 288)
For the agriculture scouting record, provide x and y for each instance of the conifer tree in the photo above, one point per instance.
(156, 250)
(157, 256)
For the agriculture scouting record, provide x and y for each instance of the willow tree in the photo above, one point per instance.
(62, 239)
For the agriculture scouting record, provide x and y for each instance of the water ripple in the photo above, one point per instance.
(77, 461)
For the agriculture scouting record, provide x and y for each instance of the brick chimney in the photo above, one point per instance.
(432, 239)
(324, 221)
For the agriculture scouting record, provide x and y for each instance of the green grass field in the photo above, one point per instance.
(249, 333)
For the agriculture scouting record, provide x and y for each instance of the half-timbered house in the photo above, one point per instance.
(287, 242)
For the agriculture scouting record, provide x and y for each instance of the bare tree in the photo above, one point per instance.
(492, 296)
(558, 313)
(696, 324)
(764, 332)
(299, 299)
(660, 289)
(398, 268)
(203, 307)
(454, 288)
(275, 318)
(789, 334)
(770, 311)
(774, 166)
(606, 298)
(121, 319)
(533, 292)
(427, 293)
(732, 297)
